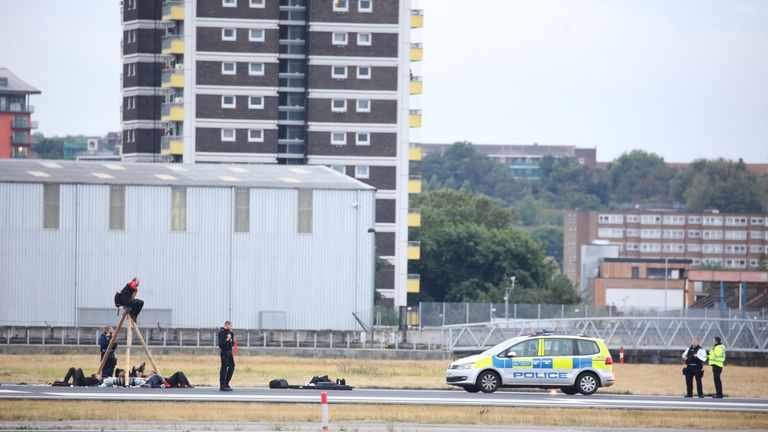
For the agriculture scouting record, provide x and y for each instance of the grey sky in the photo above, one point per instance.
(683, 78)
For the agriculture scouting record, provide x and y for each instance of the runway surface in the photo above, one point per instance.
(377, 396)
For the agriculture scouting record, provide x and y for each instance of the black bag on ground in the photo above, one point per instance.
(278, 383)
(320, 379)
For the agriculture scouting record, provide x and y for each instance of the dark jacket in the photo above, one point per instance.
(693, 362)
(104, 343)
(224, 344)
(127, 293)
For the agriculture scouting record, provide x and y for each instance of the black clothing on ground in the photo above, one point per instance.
(694, 368)
(178, 379)
(716, 371)
(78, 379)
(227, 359)
(109, 366)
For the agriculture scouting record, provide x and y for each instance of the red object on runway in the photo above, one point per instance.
(621, 355)
(324, 409)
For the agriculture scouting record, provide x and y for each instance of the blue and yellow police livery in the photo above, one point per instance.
(574, 364)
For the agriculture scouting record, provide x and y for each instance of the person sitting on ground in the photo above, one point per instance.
(78, 379)
(138, 371)
(128, 298)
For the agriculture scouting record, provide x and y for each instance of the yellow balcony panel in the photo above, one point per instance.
(414, 153)
(414, 217)
(414, 250)
(172, 112)
(417, 18)
(173, 44)
(417, 52)
(414, 283)
(173, 78)
(416, 85)
(172, 144)
(412, 318)
(173, 10)
(414, 184)
(415, 116)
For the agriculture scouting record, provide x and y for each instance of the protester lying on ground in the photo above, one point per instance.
(119, 380)
(178, 380)
(78, 379)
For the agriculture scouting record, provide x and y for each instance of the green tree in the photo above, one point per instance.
(639, 176)
(470, 247)
(551, 238)
(718, 184)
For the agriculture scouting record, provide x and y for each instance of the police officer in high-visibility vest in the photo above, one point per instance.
(695, 357)
(717, 360)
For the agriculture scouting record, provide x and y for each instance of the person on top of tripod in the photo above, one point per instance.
(128, 298)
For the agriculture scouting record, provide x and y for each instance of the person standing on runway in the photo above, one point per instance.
(226, 343)
(717, 361)
(694, 358)
(109, 366)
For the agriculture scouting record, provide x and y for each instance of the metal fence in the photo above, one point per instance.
(380, 338)
(744, 334)
(432, 314)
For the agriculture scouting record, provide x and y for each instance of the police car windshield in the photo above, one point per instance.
(502, 346)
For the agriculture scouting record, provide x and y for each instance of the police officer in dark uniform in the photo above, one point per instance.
(695, 357)
(226, 342)
(104, 339)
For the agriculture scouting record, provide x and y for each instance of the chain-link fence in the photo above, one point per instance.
(433, 314)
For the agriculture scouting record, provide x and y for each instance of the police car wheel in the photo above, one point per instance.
(472, 388)
(488, 382)
(569, 390)
(587, 383)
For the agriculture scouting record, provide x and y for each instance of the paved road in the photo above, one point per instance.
(374, 396)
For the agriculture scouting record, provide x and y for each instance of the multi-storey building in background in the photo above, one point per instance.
(15, 116)
(711, 239)
(282, 82)
(523, 160)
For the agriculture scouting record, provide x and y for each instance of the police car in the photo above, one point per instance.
(574, 364)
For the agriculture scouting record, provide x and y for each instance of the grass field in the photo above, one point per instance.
(21, 411)
(739, 381)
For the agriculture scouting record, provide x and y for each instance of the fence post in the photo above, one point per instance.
(562, 311)
(490, 312)
(515, 310)
(586, 311)
(538, 313)
(331, 342)
(265, 340)
(467, 304)
(421, 318)
(443, 313)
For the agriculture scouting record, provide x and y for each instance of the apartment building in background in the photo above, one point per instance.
(15, 116)
(523, 160)
(320, 82)
(710, 239)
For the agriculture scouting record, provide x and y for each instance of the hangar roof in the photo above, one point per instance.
(156, 174)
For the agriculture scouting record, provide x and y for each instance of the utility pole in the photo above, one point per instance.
(507, 291)
(666, 276)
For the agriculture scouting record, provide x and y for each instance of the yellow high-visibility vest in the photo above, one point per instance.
(717, 356)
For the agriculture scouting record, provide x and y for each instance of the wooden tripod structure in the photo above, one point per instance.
(128, 342)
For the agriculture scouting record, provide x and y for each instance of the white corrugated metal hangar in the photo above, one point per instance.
(266, 246)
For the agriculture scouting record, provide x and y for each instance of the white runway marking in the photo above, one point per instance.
(11, 391)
